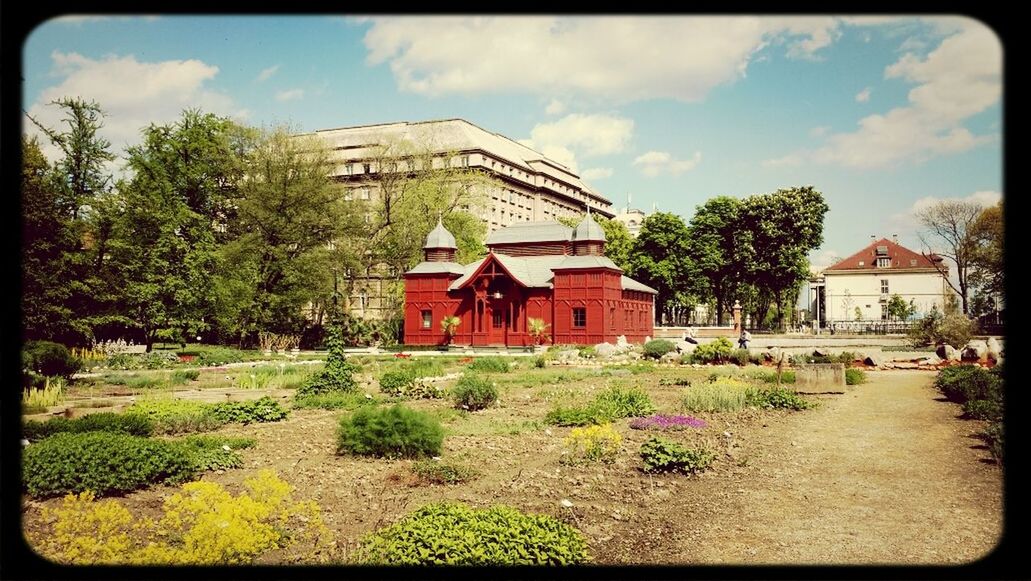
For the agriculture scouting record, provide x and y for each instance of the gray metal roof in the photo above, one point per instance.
(588, 230)
(439, 237)
(530, 232)
(588, 262)
(633, 285)
(437, 268)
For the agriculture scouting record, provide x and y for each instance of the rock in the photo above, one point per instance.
(685, 347)
(605, 350)
(947, 352)
(929, 360)
(976, 350)
(670, 357)
(820, 353)
(647, 339)
(875, 359)
(906, 365)
(994, 349)
(622, 343)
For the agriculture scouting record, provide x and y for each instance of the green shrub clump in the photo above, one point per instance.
(473, 393)
(102, 462)
(100, 422)
(390, 432)
(46, 359)
(854, 376)
(337, 375)
(716, 351)
(722, 395)
(540, 362)
(437, 472)
(775, 398)
(662, 455)
(785, 376)
(741, 357)
(961, 383)
(490, 365)
(214, 452)
(455, 534)
(613, 403)
(181, 376)
(334, 401)
(264, 409)
(656, 348)
(176, 416)
(993, 437)
(396, 382)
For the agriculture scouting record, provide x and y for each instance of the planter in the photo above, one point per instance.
(187, 358)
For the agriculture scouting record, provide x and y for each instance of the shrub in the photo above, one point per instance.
(993, 437)
(681, 381)
(437, 472)
(264, 409)
(49, 359)
(656, 348)
(35, 400)
(181, 376)
(540, 362)
(425, 367)
(586, 351)
(776, 398)
(618, 402)
(590, 444)
(396, 382)
(152, 360)
(713, 352)
(934, 329)
(664, 422)
(334, 401)
(662, 455)
(176, 416)
(337, 375)
(214, 452)
(785, 376)
(392, 432)
(99, 422)
(741, 357)
(216, 355)
(102, 462)
(961, 383)
(983, 409)
(722, 395)
(489, 365)
(854, 376)
(455, 534)
(473, 393)
(202, 524)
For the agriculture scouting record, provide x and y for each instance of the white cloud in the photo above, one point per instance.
(133, 94)
(821, 259)
(789, 160)
(907, 221)
(958, 79)
(266, 74)
(596, 173)
(290, 95)
(579, 134)
(819, 131)
(555, 107)
(620, 58)
(863, 96)
(654, 163)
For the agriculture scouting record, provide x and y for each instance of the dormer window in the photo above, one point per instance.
(861, 263)
(883, 262)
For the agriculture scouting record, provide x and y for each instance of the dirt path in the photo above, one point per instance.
(881, 474)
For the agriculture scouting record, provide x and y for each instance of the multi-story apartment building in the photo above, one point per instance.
(530, 187)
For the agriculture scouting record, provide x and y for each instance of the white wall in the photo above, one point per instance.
(863, 290)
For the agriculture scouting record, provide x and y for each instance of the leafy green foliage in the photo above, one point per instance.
(611, 404)
(714, 351)
(472, 392)
(98, 422)
(785, 376)
(102, 462)
(334, 401)
(392, 432)
(490, 365)
(540, 362)
(176, 416)
(854, 376)
(662, 455)
(775, 398)
(181, 376)
(337, 375)
(454, 534)
(264, 409)
(396, 382)
(49, 359)
(741, 357)
(438, 472)
(935, 329)
(214, 452)
(591, 444)
(660, 258)
(722, 395)
(962, 383)
(994, 438)
(656, 348)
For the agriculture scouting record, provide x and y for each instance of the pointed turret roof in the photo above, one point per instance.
(588, 230)
(439, 237)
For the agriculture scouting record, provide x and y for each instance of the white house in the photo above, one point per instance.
(859, 287)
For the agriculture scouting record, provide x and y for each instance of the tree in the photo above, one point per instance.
(721, 249)
(898, 309)
(288, 213)
(618, 241)
(949, 224)
(987, 260)
(660, 259)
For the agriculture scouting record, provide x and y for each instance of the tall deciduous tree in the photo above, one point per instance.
(618, 241)
(722, 249)
(948, 226)
(660, 259)
(987, 261)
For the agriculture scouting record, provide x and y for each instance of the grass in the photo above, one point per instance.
(722, 395)
(35, 401)
(336, 401)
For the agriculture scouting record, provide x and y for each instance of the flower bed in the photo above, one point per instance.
(665, 422)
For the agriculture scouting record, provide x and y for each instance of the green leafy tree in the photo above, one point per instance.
(660, 259)
(618, 241)
(988, 275)
(722, 250)
(899, 309)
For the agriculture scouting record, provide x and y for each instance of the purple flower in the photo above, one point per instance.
(664, 422)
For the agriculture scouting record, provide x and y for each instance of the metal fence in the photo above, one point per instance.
(869, 327)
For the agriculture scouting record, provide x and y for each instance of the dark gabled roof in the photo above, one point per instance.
(588, 230)
(901, 257)
(530, 232)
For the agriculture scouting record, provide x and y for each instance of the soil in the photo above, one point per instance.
(883, 473)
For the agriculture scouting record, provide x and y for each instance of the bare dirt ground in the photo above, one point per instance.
(884, 473)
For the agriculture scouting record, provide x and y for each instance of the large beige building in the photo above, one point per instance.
(530, 187)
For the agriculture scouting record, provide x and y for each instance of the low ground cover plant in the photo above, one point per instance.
(133, 425)
(433, 471)
(785, 376)
(455, 534)
(202, 524)
(591, 444)
(722, 395)
(490, 365)
(662, 455)
(667, 422)
(394, 432)
(613, 403)
(854, 376)
(176, 416)
(264, 409)
(472, 392)
(777, 398)
(335, 401)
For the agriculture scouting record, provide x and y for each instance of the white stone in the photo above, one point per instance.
(976, 350)
(605, 350)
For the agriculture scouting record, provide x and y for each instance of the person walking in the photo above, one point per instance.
(690, 335)
(742, 341)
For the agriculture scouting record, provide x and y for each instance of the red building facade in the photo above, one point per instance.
(540, 270)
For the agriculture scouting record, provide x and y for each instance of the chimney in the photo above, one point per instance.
(873, 238)
(895, 238)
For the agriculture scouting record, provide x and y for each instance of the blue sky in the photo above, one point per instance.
(881, 114)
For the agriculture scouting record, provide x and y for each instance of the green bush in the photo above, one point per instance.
(540, 362)
(854, 376)
(741, 357)
(437, 472)
(490, 365)
(587, 351)
(176, 416)
(993, 438)
(618, 402)
(334, 401)
(337, 375)
(102, 462)
(396, 382)
(656, 348)
(49, 359)
(681, 381)
(662, 455)
(723, 395)
(775, 398)
(983, 409)
(99, 422)
(716, 351)
(181, 376)
(961, 383)
(152, 360)
(473, 393)
(425, 367)
(212, 355)
(264, 409)
(455, 534)
(210, 453)
(392, 432)
(785, 376)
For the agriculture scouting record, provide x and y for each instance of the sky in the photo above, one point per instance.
(883, 114)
